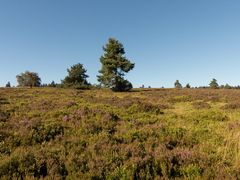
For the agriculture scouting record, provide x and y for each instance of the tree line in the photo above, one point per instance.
(213, 85)
(111, 75)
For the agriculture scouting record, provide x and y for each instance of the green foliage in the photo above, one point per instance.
(114, 67)
(188, 85)
(210, 115)
(121, 85)
(30, 79)
(191, 171)
(227, 86)
(77, 77)
(25, 164)
(213, 84)
(19, 166)
(45, 132)
(8, 85)
(182, 98)
(177, 84)
(52, 84)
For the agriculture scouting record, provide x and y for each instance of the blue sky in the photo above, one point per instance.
(193, 41)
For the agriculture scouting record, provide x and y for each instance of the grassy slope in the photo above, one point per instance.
(162, 133)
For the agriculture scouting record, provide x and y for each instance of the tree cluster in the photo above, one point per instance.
(114, 67)
(212, 85)
(111, 75)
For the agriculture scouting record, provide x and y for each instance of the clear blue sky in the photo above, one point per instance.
(193, 41)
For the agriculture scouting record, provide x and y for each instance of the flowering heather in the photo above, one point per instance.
(56, 133)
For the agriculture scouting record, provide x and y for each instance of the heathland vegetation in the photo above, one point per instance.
(61, 133)
(74, 130)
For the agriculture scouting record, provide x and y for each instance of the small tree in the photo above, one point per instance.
(114, 67)
(44, 85)
(29, 79)
(77, 77)
(52, 84)
(227, 86)
(8, 85)
(213, 84)
(188, 86)
(177, 84)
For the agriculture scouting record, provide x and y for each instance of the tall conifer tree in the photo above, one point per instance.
(114, 67)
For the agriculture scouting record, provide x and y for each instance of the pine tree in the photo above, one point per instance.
(77, 77)
(52, 84)
(177, 84)
(114, 67)
(213, 84)
(8, 85)
(227, 86)
(188, 85)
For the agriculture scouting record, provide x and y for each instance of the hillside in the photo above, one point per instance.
(98, 134)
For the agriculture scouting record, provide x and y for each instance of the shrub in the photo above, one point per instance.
(45, 132)
(4, 116)
(178, 99)
(19, 166)
(145, 107)
(190, 171)
(232, 106)
(207, 115)
(201, 105)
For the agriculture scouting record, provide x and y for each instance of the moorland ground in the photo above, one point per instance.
(97, 134)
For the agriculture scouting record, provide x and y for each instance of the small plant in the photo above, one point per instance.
(43, 133)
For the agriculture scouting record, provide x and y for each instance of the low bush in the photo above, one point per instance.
(19, 166)
(208, 115)
(4, 116)
(201, 105)
(232, 106)
(45, 132)
(145, 107)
